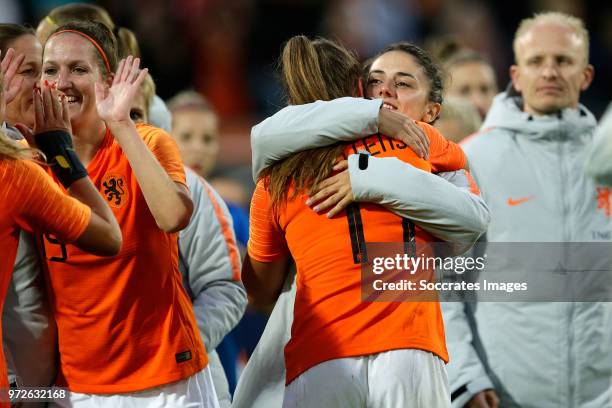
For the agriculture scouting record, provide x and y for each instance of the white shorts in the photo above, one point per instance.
(196, 391)
(406, 378)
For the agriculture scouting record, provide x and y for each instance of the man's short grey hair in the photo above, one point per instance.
(556, 17)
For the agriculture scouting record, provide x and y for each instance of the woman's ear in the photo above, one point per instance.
(109, 79)
(432, 111)
(360, 87)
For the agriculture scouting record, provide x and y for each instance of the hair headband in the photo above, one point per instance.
(91, 40)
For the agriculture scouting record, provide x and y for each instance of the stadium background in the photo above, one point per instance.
(227, 49)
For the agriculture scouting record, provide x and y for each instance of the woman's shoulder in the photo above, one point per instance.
(151, 134)
(430, 131)
(23, 167)
(21, 176)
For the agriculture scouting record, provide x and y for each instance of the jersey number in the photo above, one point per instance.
(360, 255)
(54, 241)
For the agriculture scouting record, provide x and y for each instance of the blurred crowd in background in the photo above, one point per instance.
(227, 50)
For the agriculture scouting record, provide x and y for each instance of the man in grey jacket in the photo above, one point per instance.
(529, 164)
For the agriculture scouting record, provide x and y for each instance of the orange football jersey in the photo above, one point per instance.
(125, 323)
(330, 319)
(31, 201)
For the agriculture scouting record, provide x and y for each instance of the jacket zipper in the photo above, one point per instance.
(566, 243)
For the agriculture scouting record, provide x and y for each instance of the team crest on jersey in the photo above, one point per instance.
(604, 200)
(114, 189)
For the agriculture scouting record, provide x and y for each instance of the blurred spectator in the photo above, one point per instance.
(469, 74)
(195, 126)
(196, 129)
(458, 119)
(473, 78)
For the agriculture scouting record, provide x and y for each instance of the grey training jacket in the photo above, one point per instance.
(448, 211)
(599, 162)
(210, 265)
(451, 214)
(531, 174)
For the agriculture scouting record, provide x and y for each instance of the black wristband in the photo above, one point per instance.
(61, 157)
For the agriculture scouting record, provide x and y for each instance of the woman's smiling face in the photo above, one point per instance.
(72, 63)
(397, 79)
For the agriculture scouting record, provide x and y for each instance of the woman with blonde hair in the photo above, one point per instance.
(134, 334)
